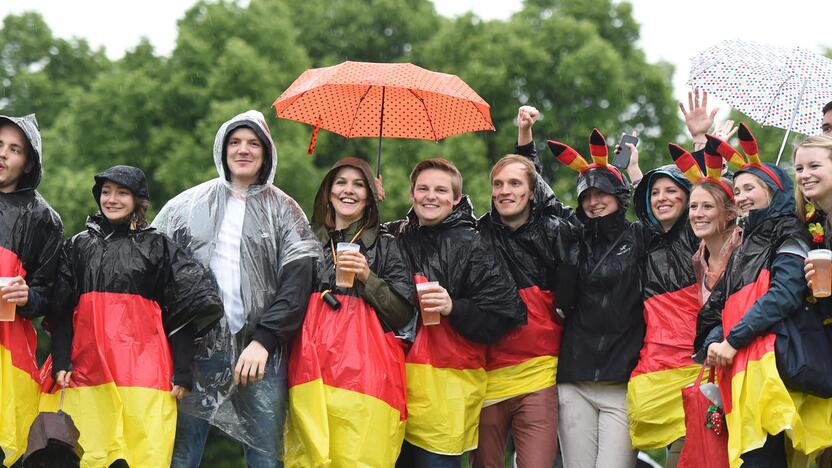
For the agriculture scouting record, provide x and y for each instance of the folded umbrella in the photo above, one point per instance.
(53, 441)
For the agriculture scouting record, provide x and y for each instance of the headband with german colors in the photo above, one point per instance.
(717, 147)
(687, 164)
(573, 160)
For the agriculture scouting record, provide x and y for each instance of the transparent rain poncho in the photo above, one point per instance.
(275, 233)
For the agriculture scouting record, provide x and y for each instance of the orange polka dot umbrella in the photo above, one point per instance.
(393, 100)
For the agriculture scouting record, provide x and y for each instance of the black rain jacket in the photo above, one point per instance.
(485, 301)
(764, 232)
(604, 325)
(115, 259)
(31, 232)
(390, 284)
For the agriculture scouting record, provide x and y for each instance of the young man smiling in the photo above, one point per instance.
(478, 303)
(524, 227)
(30, 235)
(259, 246)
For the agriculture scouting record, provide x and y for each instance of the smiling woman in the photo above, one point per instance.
(347, 325)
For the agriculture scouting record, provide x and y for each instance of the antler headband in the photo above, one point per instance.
(717, 147)
(689, 167)
(597, 148)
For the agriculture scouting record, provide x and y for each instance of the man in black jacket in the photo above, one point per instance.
(478, 303)
(30, 235)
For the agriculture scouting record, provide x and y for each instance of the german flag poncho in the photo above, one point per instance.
(757, 402)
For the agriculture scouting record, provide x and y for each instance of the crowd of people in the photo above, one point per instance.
(351, 341)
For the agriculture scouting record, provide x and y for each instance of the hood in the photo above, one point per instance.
(642, 193)
(131, 177)
(606, 181)
(321, 207)
(257, 122)
(782, 199)
(29, 125)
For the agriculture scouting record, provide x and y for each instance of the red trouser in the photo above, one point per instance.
(533, 420)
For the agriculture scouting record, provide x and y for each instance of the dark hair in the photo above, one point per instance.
(138, 220)
(827, 107)
(28, 149)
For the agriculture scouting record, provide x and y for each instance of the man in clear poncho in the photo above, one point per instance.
(258, 244)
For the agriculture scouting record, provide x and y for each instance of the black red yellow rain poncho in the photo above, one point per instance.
(756, 401)
(122, 294)
(30, 235)
(526, 359)
(671, 301)
(346, 369)
(446, 377)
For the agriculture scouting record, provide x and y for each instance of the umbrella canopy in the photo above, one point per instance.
(393, 100)
(776, 86)
(53, 442)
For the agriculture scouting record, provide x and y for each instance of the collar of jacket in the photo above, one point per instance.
(367, 237)
(605, 228)
(461, 216)
(99, 224)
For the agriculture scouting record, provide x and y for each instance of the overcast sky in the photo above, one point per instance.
(670, 30)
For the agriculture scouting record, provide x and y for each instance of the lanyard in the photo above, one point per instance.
(352, 241)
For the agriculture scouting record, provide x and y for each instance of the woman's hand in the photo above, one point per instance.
(697, 117)
(16, 292)
(179, 392)
(354, 262)
(721, 354)
(436, 299)
(809, 269)
(251, 365)
(63, 378)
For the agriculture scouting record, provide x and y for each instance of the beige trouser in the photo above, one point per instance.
(593, 427)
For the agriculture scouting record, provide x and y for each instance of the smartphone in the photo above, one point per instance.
(622, 159)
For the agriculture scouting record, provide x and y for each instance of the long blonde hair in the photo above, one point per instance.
(815, 141)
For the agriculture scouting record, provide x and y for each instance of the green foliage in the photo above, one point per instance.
(577, 61)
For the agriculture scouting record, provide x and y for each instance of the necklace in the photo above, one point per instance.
(332, 244)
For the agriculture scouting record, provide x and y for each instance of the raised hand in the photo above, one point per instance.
(526, 117)
(697, 117)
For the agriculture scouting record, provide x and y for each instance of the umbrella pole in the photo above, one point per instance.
(791, 124)
(380, 131)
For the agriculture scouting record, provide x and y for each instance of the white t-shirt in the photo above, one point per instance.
(225, 261)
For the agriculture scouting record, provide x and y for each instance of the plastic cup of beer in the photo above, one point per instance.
(821, 259)
(345, 279)
(7, 309)
(428, 318)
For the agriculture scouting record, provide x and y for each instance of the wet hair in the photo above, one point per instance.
(528, 167)
(28, 149)
(138, 220)
(816, 141)
(727, 209)
(443, 165)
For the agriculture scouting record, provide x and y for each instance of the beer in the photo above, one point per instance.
(821, 259)
(345, 279)
(7, 309)
(428, 318)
